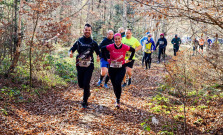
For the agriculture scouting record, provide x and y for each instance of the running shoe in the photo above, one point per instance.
(84, 105)
(158, 62)
(99, 83)
(106, 86)
(124, 84)
(117, 105)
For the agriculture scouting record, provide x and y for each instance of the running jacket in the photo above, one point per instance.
(106, 42)
(144, 39)
(85, 48)
(149, 45)
(209, 41)
(162, 43)
(117, 54)
(177, 41)
(201, 41)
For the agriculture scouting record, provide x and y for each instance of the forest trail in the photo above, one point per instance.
(60, 111)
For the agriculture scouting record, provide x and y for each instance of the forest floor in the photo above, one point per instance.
(59, 111)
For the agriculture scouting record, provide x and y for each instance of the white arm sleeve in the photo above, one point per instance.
(144, 44)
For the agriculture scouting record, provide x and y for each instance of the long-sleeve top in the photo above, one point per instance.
(149, 46)
(117, 53)
(176, 41)
(106, 42)
(162, 43)
(144, 39)
(85, 48)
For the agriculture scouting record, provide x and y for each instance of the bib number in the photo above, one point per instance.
(148, 50)
(116, 64)
(85, 63)
(161, 42)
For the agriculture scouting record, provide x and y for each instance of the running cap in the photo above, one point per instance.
(149, 35)
(162, 34)
(175, 35)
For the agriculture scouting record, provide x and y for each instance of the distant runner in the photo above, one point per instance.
(117, 63)
(176, 44)
(85, 47)
(162, 43)
(195, 45)
(121, 30)
(209, 42)
(201, 44)
(148, 48)
(142, 42)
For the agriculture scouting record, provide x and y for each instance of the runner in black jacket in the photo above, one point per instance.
(103, 63)
(162, 43)
(85, 47)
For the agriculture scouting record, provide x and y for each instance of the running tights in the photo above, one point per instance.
(116, 76)
(84, 75)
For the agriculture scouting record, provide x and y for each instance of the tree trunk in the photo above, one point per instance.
(30, 49)
(105, 22)
(124, 14)
(17, 39)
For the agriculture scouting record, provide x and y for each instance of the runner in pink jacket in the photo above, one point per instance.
(117, 64)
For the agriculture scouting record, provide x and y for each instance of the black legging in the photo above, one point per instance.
(175, 50)
(161, 51)
(143, 58)
(84, 75)
(116, 76)
(148, 59)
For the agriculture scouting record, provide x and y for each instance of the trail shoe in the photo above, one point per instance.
(106, 86)
(84, 105)
(117, 105)
(130, 81)
(124, 84)
(158, 62)
(99, 83)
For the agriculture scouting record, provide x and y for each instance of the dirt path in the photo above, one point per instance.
(60, 111)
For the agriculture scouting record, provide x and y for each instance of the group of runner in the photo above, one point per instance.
(116, 54)
(200, 43)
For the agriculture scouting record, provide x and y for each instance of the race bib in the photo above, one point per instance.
(116, 64)
(84, 62)
(161, 42)
(147, 50)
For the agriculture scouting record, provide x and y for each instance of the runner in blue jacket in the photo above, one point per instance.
(148, 48)
(142, 42)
